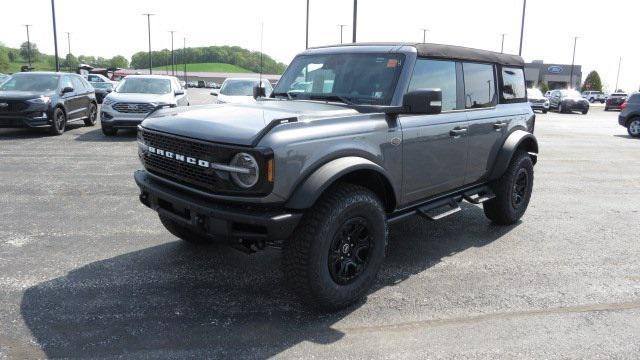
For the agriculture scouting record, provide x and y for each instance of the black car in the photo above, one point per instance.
(630, 115)
(102, 90)
(615, 101)
(568, 101)
(46, 100)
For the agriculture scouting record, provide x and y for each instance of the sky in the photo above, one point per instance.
(118, 27)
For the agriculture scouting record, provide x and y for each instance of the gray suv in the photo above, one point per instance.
(379, 132)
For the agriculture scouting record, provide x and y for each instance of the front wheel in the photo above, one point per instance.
(544, 111)
(512, 190)
(93, 115)
(109, 131)
(584, 112)
(634, 127)
(560, 108)
(59, 122)
(335, 254)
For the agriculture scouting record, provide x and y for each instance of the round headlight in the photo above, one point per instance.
(248, 178)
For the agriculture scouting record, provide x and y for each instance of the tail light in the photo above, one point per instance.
(623, 106)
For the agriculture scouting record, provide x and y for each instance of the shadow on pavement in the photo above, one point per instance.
(627, 137)
(22, 133)
(124, 135)
(177, 300)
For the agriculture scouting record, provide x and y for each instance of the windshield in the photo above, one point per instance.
(144, 86)
(102, 85)
(534, 93)
(357, 78)
(31, 82)
(570, 94)
(238, 87)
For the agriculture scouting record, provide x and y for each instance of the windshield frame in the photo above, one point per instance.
(130, 79)
(398, 81)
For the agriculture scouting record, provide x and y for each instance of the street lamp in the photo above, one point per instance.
(618, 76)
(307, 38)
(575, 41)
(149, 30)
(55, 34)
(28, 46)
(173, 59)
(355, 18)
(341, 27)
(424, 35)
(524, 9)
(502, 46)
(69, 50)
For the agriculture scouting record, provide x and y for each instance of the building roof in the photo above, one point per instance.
(440, 51)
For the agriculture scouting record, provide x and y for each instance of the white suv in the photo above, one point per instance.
(594, 96)
(135, 97)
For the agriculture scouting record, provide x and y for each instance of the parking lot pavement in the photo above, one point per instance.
(87, 271)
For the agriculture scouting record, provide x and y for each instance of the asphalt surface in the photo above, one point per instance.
(87, 271)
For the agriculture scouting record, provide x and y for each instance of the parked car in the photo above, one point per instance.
(46, 100)
(630, 115)
(537, 101)
(183, 83)
(323, 174)
(192, 84)
(567, 101)
(240, 90)
(593, 96)
(3, 77)
(135, 97)
(547, 94)
(99, 78)
(102, 89)
(201, 84)
(615, 101)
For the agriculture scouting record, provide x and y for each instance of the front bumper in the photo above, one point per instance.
(29, 120)
(576, 106)
(215, 218)
(118, 120)
(539, 106)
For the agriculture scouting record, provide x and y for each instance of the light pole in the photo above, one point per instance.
(355, 18)
(173, 59)
(55, 34)
(618, 76)
(424, 35)
(575, 41)
(306, 46)
(502, 46)
(28, 46)
(69, 50)
(184, 58)
(341, 27)
(524, 10)
(149, 30)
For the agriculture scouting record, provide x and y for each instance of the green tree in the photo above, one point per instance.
(4, 60)
(592, 82)
(24, 51)
(71, 62)
(544, 87)
(119, 61)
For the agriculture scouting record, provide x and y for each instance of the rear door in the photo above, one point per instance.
(434, 146)
(82, 93)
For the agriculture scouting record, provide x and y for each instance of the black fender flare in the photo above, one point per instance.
(517, 139)
(308, 192)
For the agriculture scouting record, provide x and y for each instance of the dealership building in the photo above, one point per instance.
(556, 76)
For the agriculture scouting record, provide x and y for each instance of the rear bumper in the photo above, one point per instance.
(24, 121)
(215, 218)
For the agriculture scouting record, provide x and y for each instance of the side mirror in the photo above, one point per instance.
(215, 92)
(179, 92)
(67, 89)
(259, 91)
(423, 101)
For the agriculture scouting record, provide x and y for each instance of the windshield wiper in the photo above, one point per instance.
(339, 98)
(287, 94)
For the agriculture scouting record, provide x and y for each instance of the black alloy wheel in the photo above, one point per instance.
(349, 251)
(59, 122)
(520, 187)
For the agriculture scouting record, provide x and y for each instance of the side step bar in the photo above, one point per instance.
(442, 207)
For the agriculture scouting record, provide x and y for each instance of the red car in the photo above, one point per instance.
(615, 101)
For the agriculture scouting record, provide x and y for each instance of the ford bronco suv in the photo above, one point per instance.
(375, 133)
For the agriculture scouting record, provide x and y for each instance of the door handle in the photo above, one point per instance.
(457, 132)
(499, 125)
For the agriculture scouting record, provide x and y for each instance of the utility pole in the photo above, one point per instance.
(424, 35)
(306, 46)
(575, 41)
(55, 34)
(524, 10)
(173, 59)
(28, 46)
(502, 46)
(618, 76)
(341, 27)
(149, 30)
(69, 50)
(184, 58)
(355, 19)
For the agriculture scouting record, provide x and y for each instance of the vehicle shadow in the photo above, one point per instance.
(124, 135)
(177, 300)
(22, 133)
(626, 137)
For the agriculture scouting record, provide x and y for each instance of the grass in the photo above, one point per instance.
(38, 66)
(207, 67)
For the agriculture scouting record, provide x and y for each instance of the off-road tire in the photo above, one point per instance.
(184, 233)
(308, 253)
(109, 131)
(59, 122)
(544, 111)
(503, 209)
(585, 112)
(632, 122)
(93, 115)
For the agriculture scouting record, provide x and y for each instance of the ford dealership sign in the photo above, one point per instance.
(555, 69)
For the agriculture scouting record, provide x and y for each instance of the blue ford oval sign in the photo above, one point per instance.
(554, 69)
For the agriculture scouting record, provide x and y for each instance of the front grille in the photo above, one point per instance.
(133, 108)
(13, 106)
(205, 179)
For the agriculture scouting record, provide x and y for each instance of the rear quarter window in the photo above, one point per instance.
(513, 84)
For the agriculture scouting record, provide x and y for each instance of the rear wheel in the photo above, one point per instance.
(512, 190)
(560, 108)
(584, 112)
(93, 115)
(59, 122)
(335, 254)
(634, 127)
(184, 233)
(544, 111)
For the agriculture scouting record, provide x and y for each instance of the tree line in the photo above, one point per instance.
(234, 55)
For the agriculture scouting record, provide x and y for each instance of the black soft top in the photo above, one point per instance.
(440, 51)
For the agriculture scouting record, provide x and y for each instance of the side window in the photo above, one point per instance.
(78, 86)
(436, 74)
(66, 82)
(479, 85)
(513, 87)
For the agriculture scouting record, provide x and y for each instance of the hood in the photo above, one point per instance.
(236, 99)
(23, 95)
(142, 98)
(239, 124)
